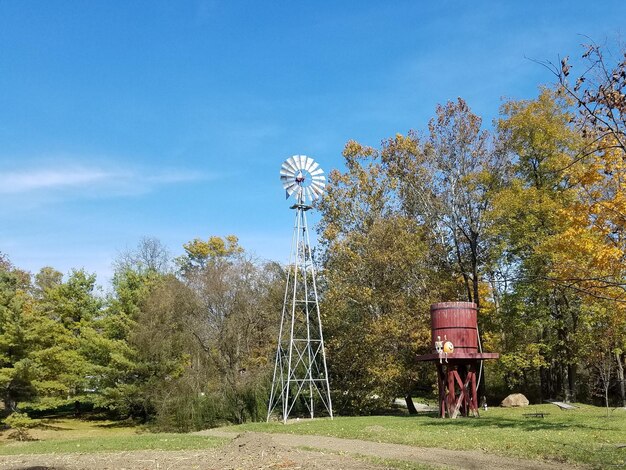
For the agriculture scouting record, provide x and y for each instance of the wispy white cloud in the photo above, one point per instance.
(59, 179)
(20, 181)
(174, 177)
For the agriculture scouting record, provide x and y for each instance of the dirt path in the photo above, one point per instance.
(247, 451)
(426, 455)
(272, 451)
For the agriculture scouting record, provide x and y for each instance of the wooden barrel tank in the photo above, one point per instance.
(455, 321)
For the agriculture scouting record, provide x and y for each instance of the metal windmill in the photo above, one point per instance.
(300, 373)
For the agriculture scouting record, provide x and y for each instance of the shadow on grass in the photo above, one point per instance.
(526, 424)
(117, 424)
(95, 416)
(49, 426)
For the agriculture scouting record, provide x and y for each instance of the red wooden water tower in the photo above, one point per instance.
(456, 344)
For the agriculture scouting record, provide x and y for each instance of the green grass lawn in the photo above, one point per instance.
(584, 435)
(160, 441)
(72, 435)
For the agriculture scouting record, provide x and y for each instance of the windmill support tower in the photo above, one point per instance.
(300, 374)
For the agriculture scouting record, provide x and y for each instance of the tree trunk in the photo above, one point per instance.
(571, 377)
(620, 378)
(466, 279)
(410, 405)
(475, 280)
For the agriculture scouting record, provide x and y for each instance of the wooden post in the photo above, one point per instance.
(451, 392)
(474, 367)
(442, 390)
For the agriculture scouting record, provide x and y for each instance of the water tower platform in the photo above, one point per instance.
(456, 357)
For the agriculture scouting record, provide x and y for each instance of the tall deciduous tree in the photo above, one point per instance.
(543, 144)
(150, 255)
(236, 319)
(448, 183)
(600, 95)
(378, 283)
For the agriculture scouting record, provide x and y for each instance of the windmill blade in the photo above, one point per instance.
(301, 162)
(296, 162)
(292, 164)
(287, 165)
(317, 190)
(308, 164)
(313, 167)
(287, 179)
(284, 174)
(318, 184)
(287, 172)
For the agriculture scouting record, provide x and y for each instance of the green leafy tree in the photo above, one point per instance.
(46, 278)
(171, 368)
(125, 385)
(547, 314)
(16, 369)
(21, 423)
(199, 252)
(61, 337)
(378, 283)
(235, 322)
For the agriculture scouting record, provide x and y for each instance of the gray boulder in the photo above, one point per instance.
(515, 399)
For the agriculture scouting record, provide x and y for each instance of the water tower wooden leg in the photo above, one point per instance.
(474, 397)
(460, 400)
(457, 384)
(463, 371)
(441, 383)
(467, 390)
(451, 402)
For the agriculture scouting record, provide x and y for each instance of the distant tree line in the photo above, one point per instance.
(182, 343)
(528, 220)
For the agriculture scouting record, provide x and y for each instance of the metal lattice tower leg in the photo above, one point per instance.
(300, 371)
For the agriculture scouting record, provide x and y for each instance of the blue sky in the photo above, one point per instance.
(120, 120)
